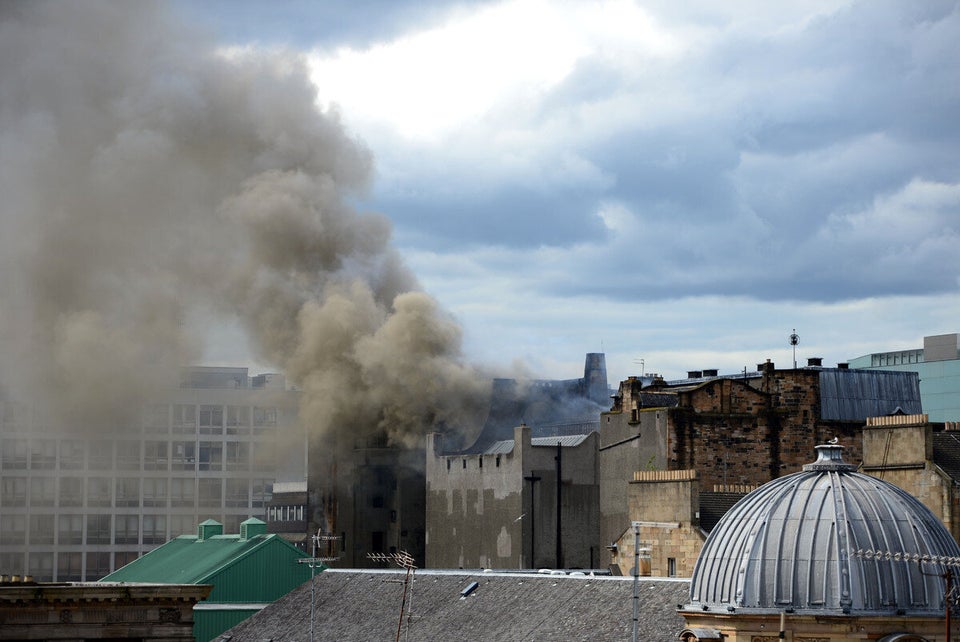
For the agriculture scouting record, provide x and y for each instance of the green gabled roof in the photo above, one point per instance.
(191, 560)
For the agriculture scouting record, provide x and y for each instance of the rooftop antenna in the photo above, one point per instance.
(404, 560)
(794, 340)
(642, 365)
(314, 561)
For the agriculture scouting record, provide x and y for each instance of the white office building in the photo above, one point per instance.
(74, 507)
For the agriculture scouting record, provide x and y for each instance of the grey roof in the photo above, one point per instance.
(854, 395)
(505, 446)
(946, 452)
(793, 543)
(364, 605)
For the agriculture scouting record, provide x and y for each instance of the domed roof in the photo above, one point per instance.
(799, 543)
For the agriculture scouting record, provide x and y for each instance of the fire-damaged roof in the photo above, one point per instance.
(365, 605)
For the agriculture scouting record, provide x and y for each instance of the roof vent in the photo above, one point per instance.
(843, 365)
(710, 372)
(694, 374)
(209, 528)
(814, 362)
(252, 527)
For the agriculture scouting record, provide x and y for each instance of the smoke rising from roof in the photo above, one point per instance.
(147, 176)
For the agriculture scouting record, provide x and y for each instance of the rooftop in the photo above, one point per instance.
(355, 605)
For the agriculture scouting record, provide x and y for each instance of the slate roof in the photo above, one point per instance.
(946, 453)
(354, 605)
(713, 506)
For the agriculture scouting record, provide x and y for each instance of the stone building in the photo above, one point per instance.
(824, 554)
(745, 429)
(921, 457)
(503, 508)
(65, 611)
(372, 495)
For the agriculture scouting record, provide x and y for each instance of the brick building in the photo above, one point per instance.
(745, 429)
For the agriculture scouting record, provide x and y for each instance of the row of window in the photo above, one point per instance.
(896, 358)
(75, 454)
(133, 492)
(161, 418)
(76, 530)
(292, 513)
(69, 565)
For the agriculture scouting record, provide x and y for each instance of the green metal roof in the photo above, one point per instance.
(258, 569)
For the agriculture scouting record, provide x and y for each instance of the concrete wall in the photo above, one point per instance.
(483, 511)
(630, 440)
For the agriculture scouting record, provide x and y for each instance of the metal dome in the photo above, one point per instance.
(792, 545)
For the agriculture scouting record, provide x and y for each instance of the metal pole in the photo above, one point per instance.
(636, 581)
(559, 509)
(313, 584)
(533, 479)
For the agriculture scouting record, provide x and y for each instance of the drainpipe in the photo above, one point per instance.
(559, 515)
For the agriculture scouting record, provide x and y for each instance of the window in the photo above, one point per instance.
(182, 525)
(154, 529)
(11, 563)
(210, 492)
(100, 455)
(128, 491)
(238, 455)
(42, 529)
(69, 529)
(262, 492)
(98, 565)
(376, 542)
(237, 493)
(99, 491)
(71, 491)
(14, 454)
(41, 566)
(154, 492)
(69, 567)
(155, 455)
(183, 455)
(127, 529)
(98, 529)
(211, 420)
(263, 456)
(264, 419)
(671, 567)
(128, 455)
(182, 492)
(238, 420)
(43, 491)
(122, 558)
(185, 419)
(16, 415)
(13, 529)
(43, 454)
(211, 455)
(156, 418)
(71, 454)
(13, 491)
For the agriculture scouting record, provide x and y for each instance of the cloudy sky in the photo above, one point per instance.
(679, 185)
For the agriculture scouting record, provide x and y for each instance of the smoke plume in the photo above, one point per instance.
(148, 177)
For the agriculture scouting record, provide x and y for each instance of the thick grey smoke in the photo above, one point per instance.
(147, 176)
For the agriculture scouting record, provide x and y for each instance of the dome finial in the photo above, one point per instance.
(830, 457)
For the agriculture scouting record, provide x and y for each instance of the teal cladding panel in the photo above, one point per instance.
(270, 573)
(208, 623)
